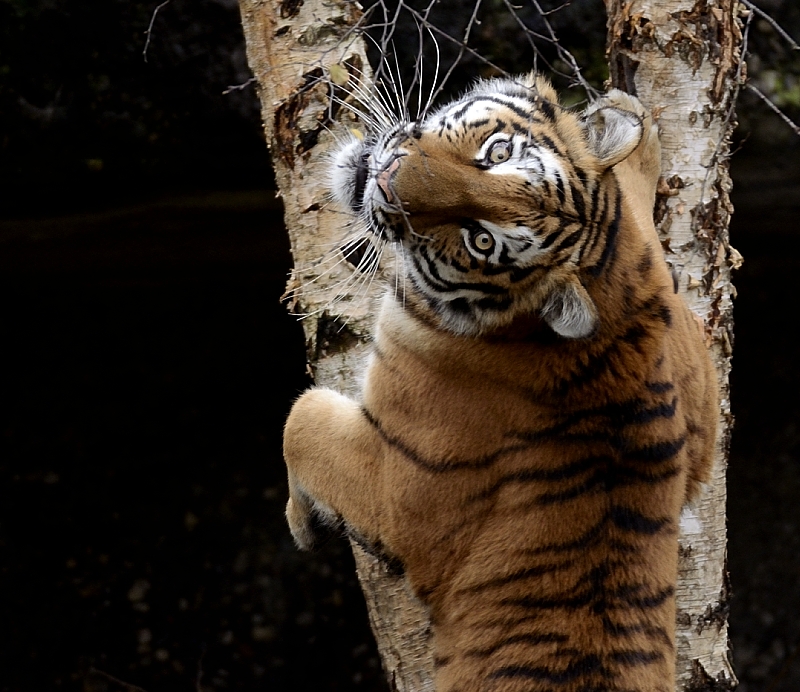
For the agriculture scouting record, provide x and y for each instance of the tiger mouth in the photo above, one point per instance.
(361, 177)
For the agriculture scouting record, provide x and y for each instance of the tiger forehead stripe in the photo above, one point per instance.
(479, 107)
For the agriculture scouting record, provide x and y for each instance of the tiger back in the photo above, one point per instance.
(539, 403)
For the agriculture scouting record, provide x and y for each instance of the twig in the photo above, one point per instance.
(772, 23)
(564, 53)
(126, 685)
(237, 87)
(794, 126)
(150, 28)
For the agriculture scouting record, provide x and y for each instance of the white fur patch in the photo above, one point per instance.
(569, 314)
(341, 172)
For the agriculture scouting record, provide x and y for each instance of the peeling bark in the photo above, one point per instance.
(681, 58)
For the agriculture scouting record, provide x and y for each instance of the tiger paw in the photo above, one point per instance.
(310, 524)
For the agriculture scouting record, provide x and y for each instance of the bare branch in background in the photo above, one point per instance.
(784, 34)
(149, 31)
(794, 126)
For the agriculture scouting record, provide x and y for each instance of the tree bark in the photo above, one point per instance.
(682, 59)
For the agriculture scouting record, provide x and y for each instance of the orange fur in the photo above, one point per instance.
(529, 483)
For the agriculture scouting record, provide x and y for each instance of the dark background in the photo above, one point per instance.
(147, 367)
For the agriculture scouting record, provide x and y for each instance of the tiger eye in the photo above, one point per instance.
(483, 241)
(500, 151)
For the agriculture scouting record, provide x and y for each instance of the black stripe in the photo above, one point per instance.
(578, 203)
(586, 540)
(560, 188)
(551, 144)
(437, 283)
(659, 387)
(648, 602)
(626, 476)
(598, 480)
(494, 302)
(607, 480)
(645, 262)
(584, 666)
(656, 452)
(612, 233)
(636, 657)
(438, 466)
(518, 274)
(547, 109)
(519, 575)
(491, 99)
(562, 473)
(593, 215)
(616, 414)
(654, 632)
(569, 241)
(632, 521)
(554, 235)
(573, 601)
(531, 639)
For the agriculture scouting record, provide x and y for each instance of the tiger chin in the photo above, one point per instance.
(538, 406)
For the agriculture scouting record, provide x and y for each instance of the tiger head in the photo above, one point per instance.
(501, 203)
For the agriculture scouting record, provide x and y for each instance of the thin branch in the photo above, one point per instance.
(150, 28)
(568, 57)
(237, 87)
(792, 43)
(128, 686)
(793, 125)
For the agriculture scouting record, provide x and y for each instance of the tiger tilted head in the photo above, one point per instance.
(538, 405)
(498, 199)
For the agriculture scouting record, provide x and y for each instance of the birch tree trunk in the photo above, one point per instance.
(682, 59)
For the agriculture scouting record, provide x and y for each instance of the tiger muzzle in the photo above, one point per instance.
(384, 181)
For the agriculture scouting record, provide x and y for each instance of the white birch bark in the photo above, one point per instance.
(681, 58)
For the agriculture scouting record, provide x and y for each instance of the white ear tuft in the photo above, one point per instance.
(613, 133)
(570, 311)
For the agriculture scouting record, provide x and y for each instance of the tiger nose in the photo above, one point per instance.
(384, 180)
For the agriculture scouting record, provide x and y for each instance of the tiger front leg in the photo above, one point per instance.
(333, 458)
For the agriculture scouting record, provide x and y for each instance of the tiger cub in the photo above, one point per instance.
(539, 403)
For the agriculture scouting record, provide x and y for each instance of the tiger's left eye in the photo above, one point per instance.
(500, 151)
(483, 241)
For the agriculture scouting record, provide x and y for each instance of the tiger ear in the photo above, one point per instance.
(570, 311)
(612, 133)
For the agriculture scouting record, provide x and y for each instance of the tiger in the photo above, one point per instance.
(538, 404)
